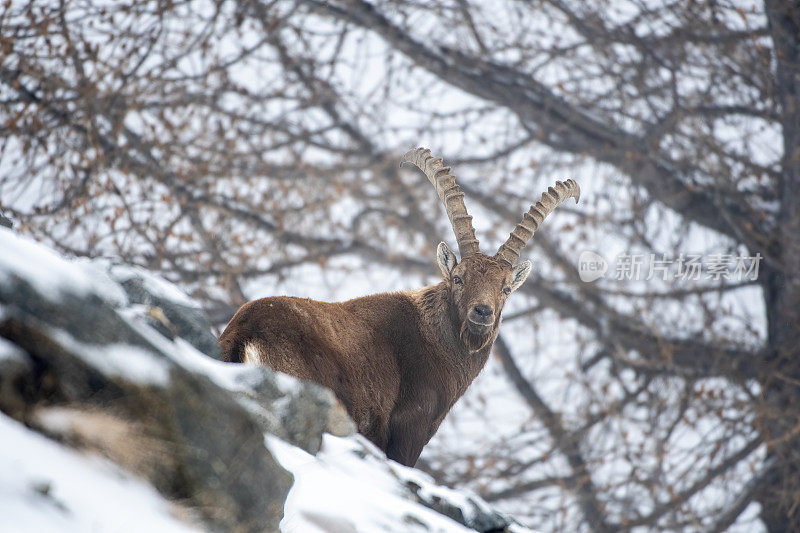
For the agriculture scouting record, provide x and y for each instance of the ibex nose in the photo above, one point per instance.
(483, 310)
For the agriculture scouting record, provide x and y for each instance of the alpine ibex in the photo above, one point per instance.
(399, 361)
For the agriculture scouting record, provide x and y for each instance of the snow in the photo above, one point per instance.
(233, 377)
(226, 375)
(152, 284)
(119, 360)
(46, 487)
(9, 351)
(49, 273)
(53, 276)
(337, 490)
(430, 491)
(229, 376)
(351, 487)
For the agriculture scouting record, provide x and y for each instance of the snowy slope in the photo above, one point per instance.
(47, 485)
(351, 487)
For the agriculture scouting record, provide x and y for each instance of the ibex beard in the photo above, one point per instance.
(399, 361)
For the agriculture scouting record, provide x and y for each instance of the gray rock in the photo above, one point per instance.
(182, 320)
(471, 513)
(189, 437)
(15, 369)
(299, 412)
(311, 411)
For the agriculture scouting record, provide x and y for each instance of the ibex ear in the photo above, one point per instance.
(446, 259)
(520, 274)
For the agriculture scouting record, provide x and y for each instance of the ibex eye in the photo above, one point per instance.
(507, 290)
(457, 280)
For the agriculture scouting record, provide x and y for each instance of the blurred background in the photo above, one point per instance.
(251, 148)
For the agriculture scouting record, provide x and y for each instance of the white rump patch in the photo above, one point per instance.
(252, 355)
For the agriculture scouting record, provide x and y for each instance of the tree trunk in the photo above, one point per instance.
(780, 500)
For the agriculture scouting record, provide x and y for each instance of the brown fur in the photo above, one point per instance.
(397, 361)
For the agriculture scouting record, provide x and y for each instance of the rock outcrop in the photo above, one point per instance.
(110, 361)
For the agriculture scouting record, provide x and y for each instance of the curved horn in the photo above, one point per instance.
(451, 196)
(510, 250)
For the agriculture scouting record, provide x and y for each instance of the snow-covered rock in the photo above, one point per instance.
(48, 487)
(118, 417)
(178, 316)
(350, 486)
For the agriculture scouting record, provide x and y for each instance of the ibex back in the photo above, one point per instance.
(399, 361)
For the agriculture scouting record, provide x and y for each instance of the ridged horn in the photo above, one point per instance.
(510, 250)
(451, 196)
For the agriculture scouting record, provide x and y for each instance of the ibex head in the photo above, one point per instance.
(479, 285)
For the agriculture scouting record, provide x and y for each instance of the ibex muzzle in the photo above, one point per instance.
(399, 361)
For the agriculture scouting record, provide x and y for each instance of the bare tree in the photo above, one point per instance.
(241, 147)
